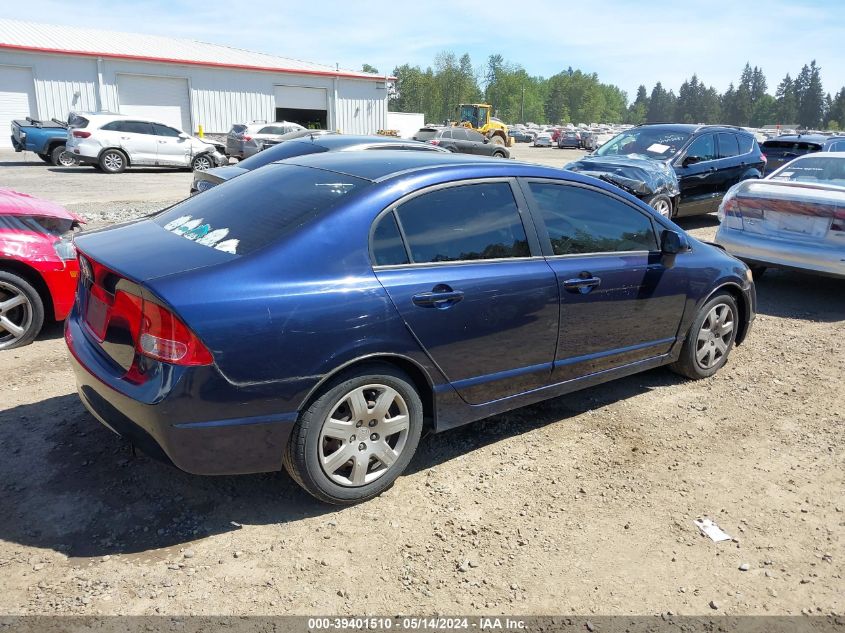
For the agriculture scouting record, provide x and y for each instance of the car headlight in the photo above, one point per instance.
(748, 275)
(65, 249)
(204, 185)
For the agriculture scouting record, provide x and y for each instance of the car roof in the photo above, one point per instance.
(379, 166)
(338, 141)
(691, 128)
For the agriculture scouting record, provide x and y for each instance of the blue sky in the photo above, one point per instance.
(625, 42)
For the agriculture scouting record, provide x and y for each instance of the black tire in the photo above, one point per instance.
(202, 162)
(60, 157)
(497, 140)
(498, 154)
(662, 204)
(113, 161)
(688, 363)
(302, 457)
(46, 158)
(30, 316)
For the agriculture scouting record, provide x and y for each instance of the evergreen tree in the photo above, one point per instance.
(787, 102)
(639, 108)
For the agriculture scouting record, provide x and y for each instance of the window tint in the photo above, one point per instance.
(258, 208)
(728, 145)
(839, 146)
(459, 134)
(585, 221)
(425, 134)
(388, 248)
(475, 136)
(446, 134)
(746, 143)
(464, 222)
(114, 126)
(268, 130)
(703, 147)
(137, 127)
(164, 130)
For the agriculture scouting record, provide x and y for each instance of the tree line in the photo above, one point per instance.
(573, 96)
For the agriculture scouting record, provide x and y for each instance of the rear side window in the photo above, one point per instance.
(464, 222)
(728, 145)
(459, 134)
(132, 127)
(258, 208)
(388, 248)
(582, 221)
(288, 149)
(475, 136)
(746, 143)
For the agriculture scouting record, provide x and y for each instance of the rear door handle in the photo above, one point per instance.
(439, 297)
(582, 284)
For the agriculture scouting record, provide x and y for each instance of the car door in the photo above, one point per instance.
(729, 165)
(463, 268)
(461, 140)
(172, 148)
(697, 177)
(137, 140)
(477, 144)
(620, 303)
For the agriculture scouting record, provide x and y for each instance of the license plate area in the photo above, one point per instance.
(804, 225)
(96, 315)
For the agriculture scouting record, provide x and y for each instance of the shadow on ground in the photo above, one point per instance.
(796, 295)
(70, 485)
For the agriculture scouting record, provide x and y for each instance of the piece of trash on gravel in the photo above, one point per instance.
(710, 529)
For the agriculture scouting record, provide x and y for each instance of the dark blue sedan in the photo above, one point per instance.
(320, 313)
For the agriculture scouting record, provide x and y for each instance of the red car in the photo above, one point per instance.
(38, 267)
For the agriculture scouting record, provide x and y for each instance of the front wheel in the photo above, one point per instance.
(662, 204)
(202, 162)
(498, 155)
(21, 311)
(357, 436)
(710, 339)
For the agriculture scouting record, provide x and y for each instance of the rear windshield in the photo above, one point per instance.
(258, 208)
(238, 128)
(288, 149)
(828, 170)
(425, 135)
(791, 146)
(76, 121)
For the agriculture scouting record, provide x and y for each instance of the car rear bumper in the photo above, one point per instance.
(770, 251)
(168, 420)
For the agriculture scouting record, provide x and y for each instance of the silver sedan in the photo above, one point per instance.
(793, 218)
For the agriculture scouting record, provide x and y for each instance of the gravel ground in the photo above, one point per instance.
(583, 504)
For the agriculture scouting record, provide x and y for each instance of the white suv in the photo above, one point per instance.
(113, 142)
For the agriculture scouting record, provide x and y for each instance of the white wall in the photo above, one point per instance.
(219, 96)
(408, 123)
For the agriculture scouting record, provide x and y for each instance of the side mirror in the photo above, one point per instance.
(183, 135)
(691, 160)
(672, 242)
(486, 140)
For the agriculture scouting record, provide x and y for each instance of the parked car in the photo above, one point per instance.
(45, 138)
(312, 144)
(294, 135)
(678, 169)
(520, 136)
(782, 149)
(38, 267)
(462, 140)
(321, 312)
(544, 139)
(569, 140)
(588, 141)
(113, 142)
(243, 140)
(793, 218)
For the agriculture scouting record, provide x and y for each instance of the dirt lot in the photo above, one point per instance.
(583, 504)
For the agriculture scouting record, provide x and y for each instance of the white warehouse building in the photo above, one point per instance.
(47, 71)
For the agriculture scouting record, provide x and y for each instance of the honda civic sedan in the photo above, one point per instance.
(320, 313)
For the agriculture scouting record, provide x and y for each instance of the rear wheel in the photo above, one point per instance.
(497, 140)
(113, 161)
(357, 436)
(710, 338)
(21, 311)
(60, 157)
(662, 204)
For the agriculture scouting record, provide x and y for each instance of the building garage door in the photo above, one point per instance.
(306, 106)
(17, 99)
(162, 99)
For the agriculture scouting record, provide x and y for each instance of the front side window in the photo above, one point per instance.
(582, 221)
(702, 148)
(728, 145)
(658, 143)
(464, 222)
(475, 136)
(164, 130)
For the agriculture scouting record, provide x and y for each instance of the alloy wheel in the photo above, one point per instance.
(663, 207)
(715, 336)
(113, 161)
(201, 163)
(15, 314)
(364, 435)
(66, 159)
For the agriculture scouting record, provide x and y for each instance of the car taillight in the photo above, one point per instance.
(730, 213)
(763, 156)
(434, 141)
(164, 337)
(81, 134)
(247, 138)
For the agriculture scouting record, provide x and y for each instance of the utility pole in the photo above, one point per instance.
(522, 109)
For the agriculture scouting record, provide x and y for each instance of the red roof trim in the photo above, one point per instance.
(191, 62)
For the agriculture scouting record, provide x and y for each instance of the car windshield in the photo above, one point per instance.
(657, 143)
(258, 208)
(827, 170)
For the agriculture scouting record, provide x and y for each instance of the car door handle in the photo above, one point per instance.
(582, 285)
(162, 142)
(439, 297)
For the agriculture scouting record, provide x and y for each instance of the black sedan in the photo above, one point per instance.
(461, 140)
(311, 144)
